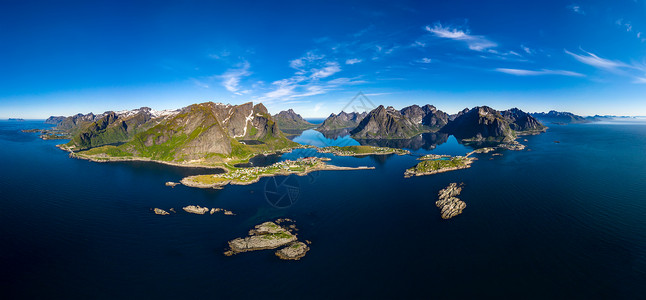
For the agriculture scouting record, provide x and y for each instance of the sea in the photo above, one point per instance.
(565, 218)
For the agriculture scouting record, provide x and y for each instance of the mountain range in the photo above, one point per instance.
(215, 132)
(205, 132)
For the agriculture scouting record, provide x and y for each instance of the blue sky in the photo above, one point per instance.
(64, 57)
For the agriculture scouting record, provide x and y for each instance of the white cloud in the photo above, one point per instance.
(419, 44)
(231, 78)
(596, 61)
(303, 61)
(527, 49)
(330, 69)
(424, 60)
(220, 55)
(641, 80)
(352, 61)
(474, 42)
(522, 72)
(576, 8)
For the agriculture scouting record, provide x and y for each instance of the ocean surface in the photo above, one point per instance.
(558, 220)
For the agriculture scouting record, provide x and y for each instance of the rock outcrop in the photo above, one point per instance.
(341, 121)
(426, 115)
(480, 124)
(267, 235)
(290, 120)
(159, 211)
(196, 209)
(386, 123)
(522, 122)
(449, 205)
(295, 251)
(271, 235)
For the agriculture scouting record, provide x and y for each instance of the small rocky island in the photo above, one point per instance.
(270, 235)
(362, 150)
(439, 165)
(449, 205)
(194, 209)
(244, 176)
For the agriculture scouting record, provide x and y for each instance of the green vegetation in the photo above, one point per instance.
(429, 166)
(107, 150)
(278, 235)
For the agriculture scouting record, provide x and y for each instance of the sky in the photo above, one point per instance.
(66, 57)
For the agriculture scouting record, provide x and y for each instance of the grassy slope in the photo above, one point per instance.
(435, 165)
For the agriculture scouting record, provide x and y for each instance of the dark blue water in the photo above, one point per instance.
(563, 220)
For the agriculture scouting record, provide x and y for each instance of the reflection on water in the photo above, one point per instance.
(315, 138)
(341, 137)
(426, 141)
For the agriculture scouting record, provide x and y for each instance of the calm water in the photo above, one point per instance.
(563, 220)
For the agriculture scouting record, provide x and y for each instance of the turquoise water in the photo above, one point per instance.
(559, 220)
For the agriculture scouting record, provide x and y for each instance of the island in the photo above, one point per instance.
(270, 235)
(439, 165)
(244, 176)
(49, 134)
(361, 150)
(449, 205)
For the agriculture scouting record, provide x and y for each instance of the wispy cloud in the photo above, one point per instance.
(220, 55)
(522, 72)
(641, 80)
(330, 69)
(474, 42)
(352, 61)
(527, 49)
(424, 60)
(635, 71)
(231, 78)
(576, 8)
(596, 61)
(301, 62)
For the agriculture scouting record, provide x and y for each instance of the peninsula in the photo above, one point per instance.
(362, 150)
(244, 176)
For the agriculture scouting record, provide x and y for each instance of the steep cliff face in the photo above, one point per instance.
(290, 120)
(480, 124)
(522, 122)
(341, 121)
(386, 123)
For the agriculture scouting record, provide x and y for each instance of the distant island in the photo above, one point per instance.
(15, 119)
